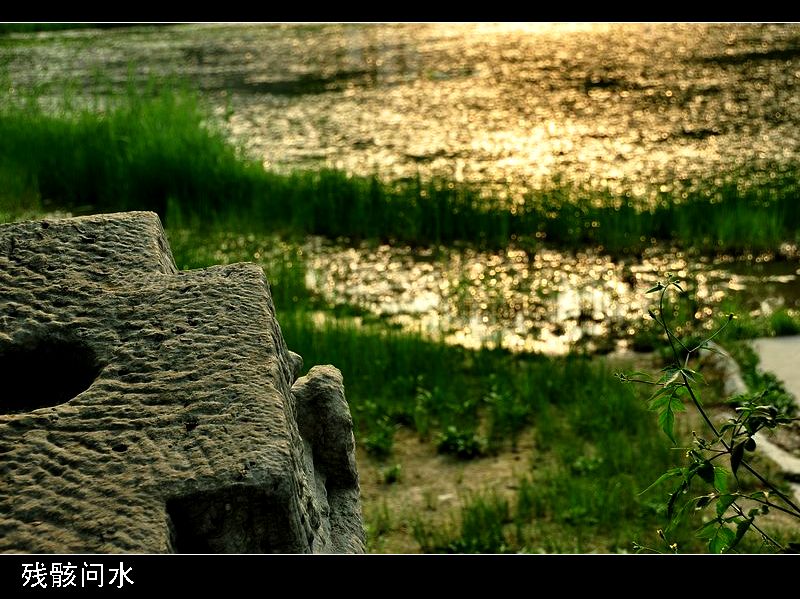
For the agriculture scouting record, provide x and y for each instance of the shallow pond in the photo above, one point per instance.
(508, 107)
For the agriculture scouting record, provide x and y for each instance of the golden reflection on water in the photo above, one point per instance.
(546, 302)
(628, 107)
(633, 108)
(511, 106)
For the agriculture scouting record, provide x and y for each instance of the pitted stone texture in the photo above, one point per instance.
(186, 439)
(325, 423)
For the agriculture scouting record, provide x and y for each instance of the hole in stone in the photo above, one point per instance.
(44, 370)
(120, 447)
(191, 422)
(236, 519)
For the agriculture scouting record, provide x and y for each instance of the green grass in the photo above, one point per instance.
(596, 450)
(552, 513)
(468, 403)
(157, 149)
(144, 152)
(596, 446)
(6, 28)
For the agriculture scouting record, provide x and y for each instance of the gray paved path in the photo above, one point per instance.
(781, 356)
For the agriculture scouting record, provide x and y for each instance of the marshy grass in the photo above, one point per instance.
(588, 488)
(596, 445)
(595, 449)
(159, 149)
(469, 402)
(6, 28)
(552, 513)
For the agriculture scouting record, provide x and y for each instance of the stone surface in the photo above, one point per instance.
(149, 410)
(325, 422)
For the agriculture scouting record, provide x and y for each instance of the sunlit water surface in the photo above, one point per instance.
(632, 108)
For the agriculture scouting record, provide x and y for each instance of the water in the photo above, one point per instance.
(634, 108)
(506, 106)
(548, 301)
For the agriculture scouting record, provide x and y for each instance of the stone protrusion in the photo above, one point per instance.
(146, 410)
(326, 425)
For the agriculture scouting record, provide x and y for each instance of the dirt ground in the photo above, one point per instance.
(416, 482)
(429, 486)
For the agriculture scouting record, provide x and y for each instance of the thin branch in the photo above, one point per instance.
(719, 453)
(664, 325)
(627, 380)
(703, 412)
(772, 487)
(747, 466)
(719, 330)
(766, 502)
(755, 526)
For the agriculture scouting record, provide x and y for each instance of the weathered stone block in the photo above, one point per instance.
(143, 409)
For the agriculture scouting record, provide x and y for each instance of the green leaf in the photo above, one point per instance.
(676, 519)
(666, 407)
(673, 472)
(658, 399)
(721, 480)
(706, 472)
(736, 456)
(637, 373)
(693, 375)
(658, 287)
(677, 285)
(754, 424)
(704, 501)
(709, 530)
(670, 374)
(723, 503)
(728, 534)
(666, 419)
(722, 540)
(719, 536)
(750, 444)
(712, 349)
(674, 497)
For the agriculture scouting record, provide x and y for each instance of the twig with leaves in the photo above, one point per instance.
(736, 511)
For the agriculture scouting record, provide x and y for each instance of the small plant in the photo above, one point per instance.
(480, 528)
(509, 415)
(423, 401)
(464, 444)
(710, 461)
(782, 322)
(379, 442)
(379, 522)
(391, 474)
